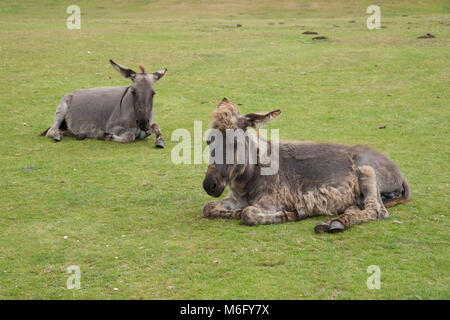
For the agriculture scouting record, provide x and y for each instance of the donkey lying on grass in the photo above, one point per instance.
(354, 182)
(120, 114)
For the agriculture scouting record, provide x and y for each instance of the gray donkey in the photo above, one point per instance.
(120, 114)
(313, 179)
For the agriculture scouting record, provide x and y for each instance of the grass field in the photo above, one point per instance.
(132, 220)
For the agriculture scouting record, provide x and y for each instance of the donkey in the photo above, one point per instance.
(120, 114)
(313, 179)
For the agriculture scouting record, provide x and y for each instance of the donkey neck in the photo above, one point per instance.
(241, 177)
(125, 108)
(126, 100)
(249, 179)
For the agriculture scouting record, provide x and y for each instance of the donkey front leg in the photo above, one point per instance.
(254, 215)
(119, 134)
(141, 135)
(159, 137)
(373, 205)
(227, 208)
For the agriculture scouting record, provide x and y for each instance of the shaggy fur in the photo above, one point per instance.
(353, 182)
(225, 116)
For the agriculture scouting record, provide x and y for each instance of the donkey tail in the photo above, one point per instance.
(405, 197)
(44, 132)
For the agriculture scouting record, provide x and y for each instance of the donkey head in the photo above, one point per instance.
(227, 140)
(143, 91)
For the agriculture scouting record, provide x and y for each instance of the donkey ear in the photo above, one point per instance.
(257, 120)
(224, 101)
(159, 74)
(124, 71)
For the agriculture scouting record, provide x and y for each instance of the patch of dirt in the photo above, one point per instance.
(320, 38)
(309, 32)
(427, 36)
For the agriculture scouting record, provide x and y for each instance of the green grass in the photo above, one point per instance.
(92, 191)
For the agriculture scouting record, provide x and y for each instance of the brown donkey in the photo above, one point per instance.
(354, 182)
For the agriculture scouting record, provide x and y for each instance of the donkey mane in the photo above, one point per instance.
(223, 118)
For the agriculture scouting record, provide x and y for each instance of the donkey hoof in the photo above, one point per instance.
(159, 144)
(336, 226)
(57, 137)
(322, 227)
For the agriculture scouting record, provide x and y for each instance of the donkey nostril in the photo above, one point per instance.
(143, 124)
(211, 186)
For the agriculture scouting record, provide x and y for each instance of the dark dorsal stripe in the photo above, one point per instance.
(123, 95)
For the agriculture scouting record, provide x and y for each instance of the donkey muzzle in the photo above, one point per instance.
(212, 187)
(144, 125)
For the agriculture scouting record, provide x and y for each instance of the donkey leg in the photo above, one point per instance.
(141, 135)
(333, 225)
(119, 134)
(227, 208)
(254, 215)
(125, 137)
(373, 205)
(54, 131)
(159, 137)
